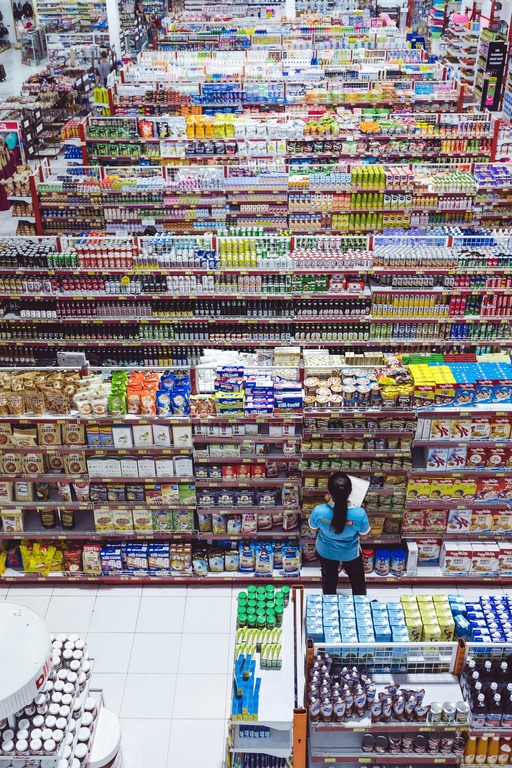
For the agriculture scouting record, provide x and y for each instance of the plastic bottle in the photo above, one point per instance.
(470, 751)
(481, 750)
(493, 750)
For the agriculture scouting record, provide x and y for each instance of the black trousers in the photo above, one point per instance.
(354, 570)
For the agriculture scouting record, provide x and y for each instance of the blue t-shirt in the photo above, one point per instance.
(338, 546)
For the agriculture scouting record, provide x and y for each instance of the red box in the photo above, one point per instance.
(497, 457)
(488, 489)
(477, 456)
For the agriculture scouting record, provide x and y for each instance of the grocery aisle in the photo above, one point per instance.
(163, 657)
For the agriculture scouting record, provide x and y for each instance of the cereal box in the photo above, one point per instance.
(477, 456)
(142, 520)
(456, 558)
(103, 520)
(441, 429)
(485, 560)
(461, 429)
(480, 428)
(437, 458)
(488, 489)
(464, 488)
(502, 522)
(442, 488)
(459, 521)
(123, 520)
(482, 522)
(506, 489)
(500, 429)
(413, 521)
(428, 551)
(418, 488)
(457, 457)
(505, 558)
(436, 520)
(497, 457)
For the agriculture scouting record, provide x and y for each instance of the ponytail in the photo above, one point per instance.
(340, 488)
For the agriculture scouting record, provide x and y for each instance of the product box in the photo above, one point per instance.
(480, 428)
(505, 558)
(442, 488)
(506, 489)
(428, 551)
(412, 558)
(461, 429)
(106, 439)
(111, 560)
(91, 562)
(129, 467)
(162, 435)
(502, 522)
(146, 467)
(477, 456)
(164, 467)
(488, 489)
(485, 392)
(142, 520)
(465, 395)
(437, 458)
(162, 521)
(123, 520)
(500, 429)
(464, 488)
(159, 558)
(187, 493)
(169, 494)
(182, 436)
(457, 457)
(482, 522)
(436, 520)
(485, 559)
(136, 557)
(103, 520)
(142, 436)
(153, 493)
(459, 521)
(122, 436)
(183, 466)
(497, 457)
(418, 488)
(413, 521)
(441, 429)
(456, 558)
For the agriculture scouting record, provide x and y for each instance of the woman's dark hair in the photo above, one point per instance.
(339, 486)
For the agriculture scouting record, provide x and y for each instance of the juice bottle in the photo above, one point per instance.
(470, 751)
(505, 752)
(493, 750)
(481, 750)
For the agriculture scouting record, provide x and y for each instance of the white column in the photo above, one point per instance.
(114, 26)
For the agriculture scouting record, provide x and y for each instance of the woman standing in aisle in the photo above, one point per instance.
(340, 526)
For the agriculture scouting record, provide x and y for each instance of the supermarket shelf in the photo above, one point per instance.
(455, 504)
(400, 759)
(249, 481)
(246, 458)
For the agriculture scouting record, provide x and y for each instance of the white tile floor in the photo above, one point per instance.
(163, 657)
